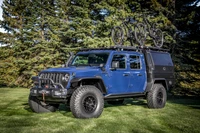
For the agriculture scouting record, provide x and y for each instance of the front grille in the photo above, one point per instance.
(56, 77)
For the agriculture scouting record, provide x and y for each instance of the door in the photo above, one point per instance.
(137, 73)
(119, 74)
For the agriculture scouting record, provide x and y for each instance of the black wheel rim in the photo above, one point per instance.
(89, 104)
(160, 98)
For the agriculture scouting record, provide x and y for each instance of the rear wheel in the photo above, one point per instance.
(158, 38)
(117, 35)
(87, 102)
(140, 33)
(157, 97)
(40, 107)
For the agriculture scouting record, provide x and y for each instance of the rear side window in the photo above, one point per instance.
(134, 62)
(163, 59)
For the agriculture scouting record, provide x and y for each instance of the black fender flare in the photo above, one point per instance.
(150, 85)
(163, 81)
(100, 83)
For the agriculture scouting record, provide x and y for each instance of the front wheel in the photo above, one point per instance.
(140, 33)
(41, 107)
(117, 35)
(157, 97)
(158, 38)
(87, 102)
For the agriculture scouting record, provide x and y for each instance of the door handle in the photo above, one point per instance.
(126, 74)
(139, 74)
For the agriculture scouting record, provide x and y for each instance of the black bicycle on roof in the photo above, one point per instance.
(124, 32)
(142, 29)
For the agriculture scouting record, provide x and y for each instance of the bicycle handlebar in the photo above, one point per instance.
(128, 20)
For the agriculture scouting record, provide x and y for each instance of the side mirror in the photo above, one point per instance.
(102, 66)
(115, 64)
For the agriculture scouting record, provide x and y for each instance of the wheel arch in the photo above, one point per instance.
(161, 81)
(96, 81)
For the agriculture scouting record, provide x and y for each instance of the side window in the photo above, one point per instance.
(120, 60)
(134, 62)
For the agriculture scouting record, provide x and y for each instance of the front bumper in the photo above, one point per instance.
(47, 87)
(50, 92)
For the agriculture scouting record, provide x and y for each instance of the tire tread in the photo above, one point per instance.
(76, 97)
(151, 96)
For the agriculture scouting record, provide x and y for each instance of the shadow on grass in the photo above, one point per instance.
(62, 109)
(27, 107)
(65, 109)
(129, 101)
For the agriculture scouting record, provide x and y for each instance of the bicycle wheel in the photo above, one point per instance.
(158, 38)
(117, 35)
(140, 33)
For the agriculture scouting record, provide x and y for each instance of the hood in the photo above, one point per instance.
(78, 71)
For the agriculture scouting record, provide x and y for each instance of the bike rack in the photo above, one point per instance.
(127, 48)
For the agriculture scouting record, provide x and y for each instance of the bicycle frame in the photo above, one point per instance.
(128, 30)
(123, 32)
(150, 27)
(153, 32)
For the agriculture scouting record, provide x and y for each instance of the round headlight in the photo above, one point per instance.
(66, 77)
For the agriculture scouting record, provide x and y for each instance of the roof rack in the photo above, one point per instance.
(126, 48)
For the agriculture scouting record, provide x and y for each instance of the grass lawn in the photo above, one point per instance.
(179, 115)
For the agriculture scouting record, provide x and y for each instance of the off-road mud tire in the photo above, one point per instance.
(87, 102)
(157, 97)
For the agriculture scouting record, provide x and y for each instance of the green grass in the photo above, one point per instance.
(179, 115)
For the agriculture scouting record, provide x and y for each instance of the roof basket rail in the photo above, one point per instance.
(126, 48)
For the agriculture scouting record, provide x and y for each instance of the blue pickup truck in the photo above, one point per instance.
(93, 76)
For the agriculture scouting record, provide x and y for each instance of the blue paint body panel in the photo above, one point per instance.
(117, 81)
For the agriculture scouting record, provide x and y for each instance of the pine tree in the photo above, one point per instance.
(33, 37)
(43, 48)
(187, 50)
(13, 24)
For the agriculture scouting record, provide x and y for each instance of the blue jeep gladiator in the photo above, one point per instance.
(94, 75)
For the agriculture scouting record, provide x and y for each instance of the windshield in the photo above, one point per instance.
(90, 59)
